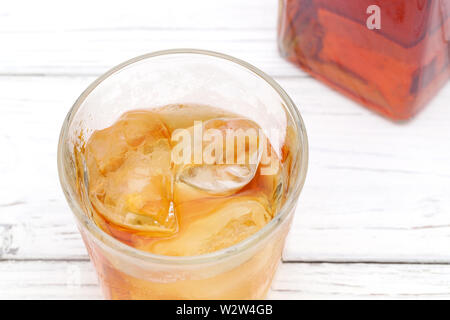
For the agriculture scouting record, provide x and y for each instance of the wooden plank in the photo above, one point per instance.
(137, 14)
(361, 281)
(77, 41)
(94, 52)
(48, 280)
(77, 280)
(375, 191)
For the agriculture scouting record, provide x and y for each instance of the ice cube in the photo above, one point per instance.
(229, 160)
(209, 225)
(187, 114)
(106, 149)
(135, 193)
(138, 125)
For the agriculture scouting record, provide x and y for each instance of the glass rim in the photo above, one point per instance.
(221, 254)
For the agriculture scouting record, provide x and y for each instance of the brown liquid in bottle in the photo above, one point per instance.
(394, 70)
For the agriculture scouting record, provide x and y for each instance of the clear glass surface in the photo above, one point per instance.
(242, 271)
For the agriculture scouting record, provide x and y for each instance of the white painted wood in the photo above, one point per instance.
(361, 281)
(77, 280)
(85, 15)
(87, 38)
(48, 280)
(376, 191)
(93, 52)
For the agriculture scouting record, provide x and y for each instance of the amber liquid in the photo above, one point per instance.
(140, 196)
(395, 70)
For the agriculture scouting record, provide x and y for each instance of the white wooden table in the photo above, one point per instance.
(373, 219)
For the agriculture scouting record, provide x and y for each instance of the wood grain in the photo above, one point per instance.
(376, 194)
(361, 281)
(77, 280)
(375, 191)
(77, 41)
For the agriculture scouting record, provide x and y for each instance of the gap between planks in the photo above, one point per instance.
(52, 280)
(305, 262)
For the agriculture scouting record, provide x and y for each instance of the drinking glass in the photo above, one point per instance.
(242, 271)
